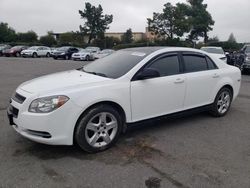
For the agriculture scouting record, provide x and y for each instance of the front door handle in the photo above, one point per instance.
(215, 75)
(179, 81)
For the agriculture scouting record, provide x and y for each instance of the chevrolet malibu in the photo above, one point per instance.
(92, 105)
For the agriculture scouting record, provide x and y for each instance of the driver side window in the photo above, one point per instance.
(166, 66)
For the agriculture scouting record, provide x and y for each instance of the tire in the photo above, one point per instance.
(34, 55)
(87, 58)
(66, 57)
(93, 132)
(48, 55)
(222, 102)
(18, 54)
(55, 58)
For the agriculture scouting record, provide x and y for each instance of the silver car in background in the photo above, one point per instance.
(216, 51)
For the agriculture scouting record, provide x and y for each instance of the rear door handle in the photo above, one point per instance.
(215, 75)
(179, 81)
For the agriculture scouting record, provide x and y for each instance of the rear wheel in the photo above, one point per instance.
(222, 102)
(18, 54)
(48, 55)
(98, 129)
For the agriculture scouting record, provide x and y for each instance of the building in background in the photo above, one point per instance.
(137, 36)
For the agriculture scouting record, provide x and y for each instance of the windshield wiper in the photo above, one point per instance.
(95, 73)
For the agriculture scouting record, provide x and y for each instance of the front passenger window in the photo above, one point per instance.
(167, 66)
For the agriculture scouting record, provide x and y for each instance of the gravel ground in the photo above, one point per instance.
(193, 151)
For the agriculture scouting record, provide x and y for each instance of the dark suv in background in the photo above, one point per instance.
(64, 52)
(242, 59)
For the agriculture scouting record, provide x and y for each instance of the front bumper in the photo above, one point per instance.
(26, 55)
(55, 128)
(79, 58)
(246, 66)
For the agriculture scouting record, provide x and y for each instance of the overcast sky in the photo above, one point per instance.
(62, 15)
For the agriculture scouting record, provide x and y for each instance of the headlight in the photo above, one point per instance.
(63, 53)
(247, 58)
(47, 104)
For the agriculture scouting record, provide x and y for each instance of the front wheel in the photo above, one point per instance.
(98, 129)
(48, 55)
(34, 55)
(222, 102)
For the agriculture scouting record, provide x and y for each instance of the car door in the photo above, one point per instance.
(40, 51)
(202, 76)
(44, 51)
(162, 95)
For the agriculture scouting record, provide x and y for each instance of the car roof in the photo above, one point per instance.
(162, 49)
(216, 47)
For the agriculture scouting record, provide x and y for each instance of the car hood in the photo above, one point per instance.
(28, 51)
(81, 53)
(60, 81)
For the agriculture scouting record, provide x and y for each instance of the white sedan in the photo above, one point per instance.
(92, 105)
(83, 55)
(37, 51)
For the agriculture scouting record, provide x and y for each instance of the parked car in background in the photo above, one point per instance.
(64, 52)
(243, 60)
(93, 49)
(103, 53)
(91, 106)
(14, 51)
(53, 50)
(83, 55)
(216, 51)
(4, 47)
(36, 51)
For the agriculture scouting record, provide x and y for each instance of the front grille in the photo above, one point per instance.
(18, 98)
(14, 111)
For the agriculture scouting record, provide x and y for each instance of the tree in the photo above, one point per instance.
(169, 23)
(29, 36)
(48, 40)
(214, 39)
(127, 37)
(7, 34)
(95, 22)
(200, 20)
(232, 38)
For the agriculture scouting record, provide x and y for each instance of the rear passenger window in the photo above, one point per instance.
(167, 66)
(210, 64)
(195, 63)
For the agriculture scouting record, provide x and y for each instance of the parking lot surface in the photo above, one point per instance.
(193, 151)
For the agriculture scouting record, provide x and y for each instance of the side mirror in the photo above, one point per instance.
(148, 73)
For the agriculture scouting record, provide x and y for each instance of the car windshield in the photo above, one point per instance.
(84, 51)
(213, 50)
(33, 48)
(16, 47)
(247, 49)
(116, 64)
(64, 49)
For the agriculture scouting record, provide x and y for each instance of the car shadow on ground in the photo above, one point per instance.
(136, 144)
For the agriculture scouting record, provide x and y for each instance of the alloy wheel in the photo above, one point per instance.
(101, 129)
(223, 102)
